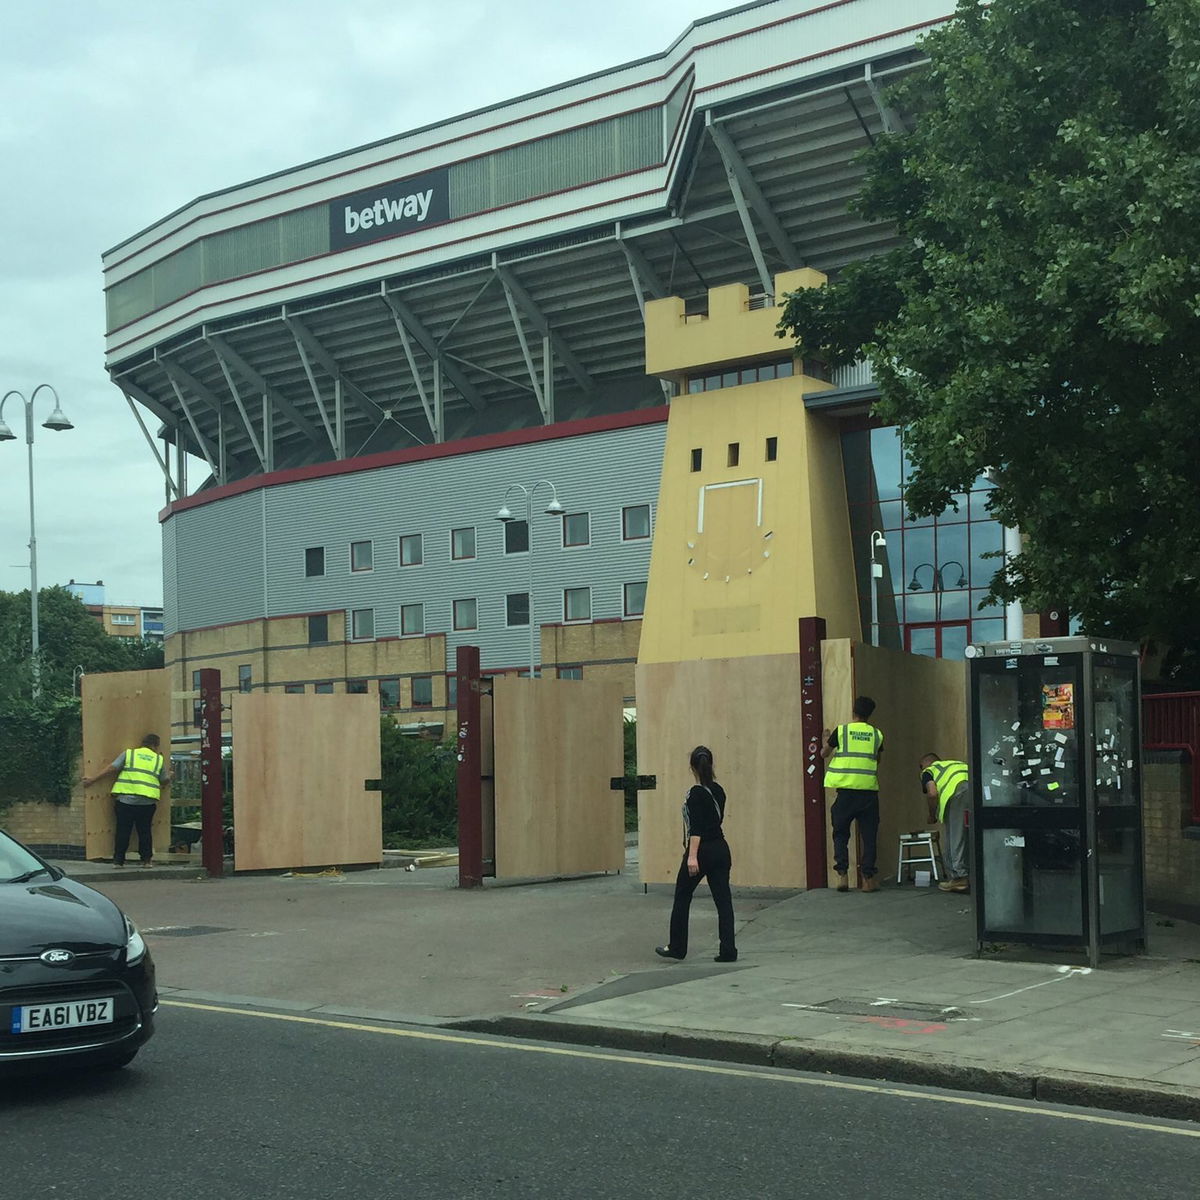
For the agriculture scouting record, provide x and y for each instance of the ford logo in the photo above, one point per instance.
(56, 958)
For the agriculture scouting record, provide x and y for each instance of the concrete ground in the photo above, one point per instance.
(884, 985)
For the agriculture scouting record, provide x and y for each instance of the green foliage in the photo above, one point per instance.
(39, 745)
(1042, 318)
(420, 797)
(631, 795)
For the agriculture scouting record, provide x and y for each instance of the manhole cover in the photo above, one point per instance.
(882, 1006)
(185, 930)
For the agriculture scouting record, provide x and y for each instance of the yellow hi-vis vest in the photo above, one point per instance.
(139, 776)
(948, 776)
(855, 762)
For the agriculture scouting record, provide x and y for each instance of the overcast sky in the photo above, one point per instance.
(116, 112)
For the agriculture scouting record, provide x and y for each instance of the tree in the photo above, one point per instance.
(1042, 317)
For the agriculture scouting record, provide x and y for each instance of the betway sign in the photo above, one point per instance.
(389, 210)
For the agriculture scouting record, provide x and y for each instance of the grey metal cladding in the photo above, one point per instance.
(170, 591)
(598, 473)
(219, 563)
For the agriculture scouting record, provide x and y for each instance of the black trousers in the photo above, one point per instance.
(863, 807)
(715, 864)
(130, 817)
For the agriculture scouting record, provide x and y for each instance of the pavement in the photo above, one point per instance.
(883, 986)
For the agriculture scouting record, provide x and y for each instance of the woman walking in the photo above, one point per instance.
(706, 855)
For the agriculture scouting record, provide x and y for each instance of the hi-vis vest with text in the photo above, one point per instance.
(855, 762)
(139, 776)
(948, 776)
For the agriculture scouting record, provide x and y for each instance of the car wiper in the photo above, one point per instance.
(30, 874)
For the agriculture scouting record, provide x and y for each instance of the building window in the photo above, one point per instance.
(772, 449)
(516, 537)
(197, 706)
(465, 614)
(362, 556)
(736, 376)
(451, 691)
(570, 672)
(516, 606)
(389, 694)
(462, 543)
(422, 691)
(293, 689)
(123, 618)
(697, 459)
(356, 687)
(245, 678)
(412, 550)
(635, 522)
(318, 629)
(362, 624)
(314, 561)
(576, 529)
(577, 604)
(412, 619)
(324, 689)
(734, 453)
(635, 599)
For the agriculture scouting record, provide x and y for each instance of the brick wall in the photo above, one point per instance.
(1172, 843)
(53, 830)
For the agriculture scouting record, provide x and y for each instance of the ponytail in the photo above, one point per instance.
(702, 763)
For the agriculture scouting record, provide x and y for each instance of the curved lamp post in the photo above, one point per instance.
(58, 422)
(554, 509)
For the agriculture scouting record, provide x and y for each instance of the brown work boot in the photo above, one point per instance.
(843, 883)
(961, 884)
(870, 885)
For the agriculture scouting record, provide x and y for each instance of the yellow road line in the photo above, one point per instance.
(682, 1065)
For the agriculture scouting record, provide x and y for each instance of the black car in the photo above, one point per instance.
(76, 978)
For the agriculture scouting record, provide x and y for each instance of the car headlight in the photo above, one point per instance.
(135, 947)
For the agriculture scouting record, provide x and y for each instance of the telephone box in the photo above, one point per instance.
(1056, 822)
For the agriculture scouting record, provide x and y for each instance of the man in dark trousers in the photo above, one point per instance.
(140, 773)
(851, 753)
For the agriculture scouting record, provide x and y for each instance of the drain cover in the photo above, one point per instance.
(882, 1006)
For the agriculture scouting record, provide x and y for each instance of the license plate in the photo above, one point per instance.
(38, 1018)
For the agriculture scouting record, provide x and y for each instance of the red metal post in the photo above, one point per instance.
(212, 774)
(816, 865)
(470, 769)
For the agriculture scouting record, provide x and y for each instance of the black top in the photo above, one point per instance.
(703, 812)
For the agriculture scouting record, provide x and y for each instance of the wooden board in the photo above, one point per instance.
(557, 744)
(747, 711)
(299, 764)
(921, 708)
(119, 709)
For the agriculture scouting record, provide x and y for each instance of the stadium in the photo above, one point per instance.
(376, 353)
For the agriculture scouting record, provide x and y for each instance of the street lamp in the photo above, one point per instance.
(937, 582)
(504, 516)
(56, 421)
(878, 542)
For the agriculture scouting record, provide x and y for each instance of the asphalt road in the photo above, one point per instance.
(242, 1104)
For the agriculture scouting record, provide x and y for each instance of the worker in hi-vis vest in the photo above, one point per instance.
(140, 773)
(944, 782)
(851, 753)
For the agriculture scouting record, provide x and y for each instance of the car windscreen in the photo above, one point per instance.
(15, 861)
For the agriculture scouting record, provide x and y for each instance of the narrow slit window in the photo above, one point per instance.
(697, 459)
(772, 449)
(734, 454)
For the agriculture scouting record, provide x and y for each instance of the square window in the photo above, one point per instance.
(389, 694)
(318, 628)
(422, 691)
(324, 689)
(570, 672)
(697, 459)
(635, 599)
(576, 529)
(635, 522)
(516, 605)
(412, 619)
(356, 687)
(784, 369)
(314, 561)
(293, 689)
(734, 453)
(577, 604)
(465, 615)
(767, 371)
(516, 537)
(362, 556)
(412, 550)
(362, 624)
(452, 691)
(749, 375)
(772, 449)
(245, 678)
(695, 385)
(462, 543)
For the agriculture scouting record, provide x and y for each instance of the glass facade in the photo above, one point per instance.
(936, 570)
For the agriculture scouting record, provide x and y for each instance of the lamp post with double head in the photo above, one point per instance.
(504, 516)
(58, 422)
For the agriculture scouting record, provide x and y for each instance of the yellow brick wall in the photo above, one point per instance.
(606, 650)
(1172, 859)
(39, 823)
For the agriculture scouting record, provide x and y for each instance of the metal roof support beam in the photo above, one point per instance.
(240, 405)
(514, 290)
(330, 432)
(252, 377)
(745, 189)
(402, 312)
(205, 447)
(494, 374)
(533, 375)
(433, 412)
(268, 424)
(892, 122)
(163, 464)
(641, 274)
(487, 283)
